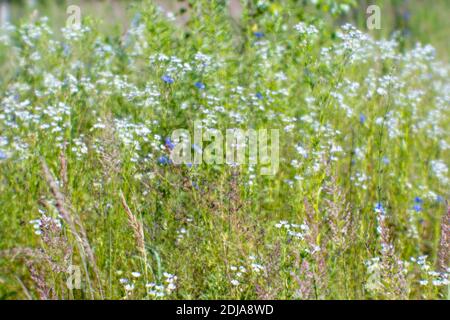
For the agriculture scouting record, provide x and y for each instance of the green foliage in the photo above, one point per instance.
(355, 206)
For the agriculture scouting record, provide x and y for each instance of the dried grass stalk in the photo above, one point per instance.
(38, 278)
(74, 223)
(136, 225)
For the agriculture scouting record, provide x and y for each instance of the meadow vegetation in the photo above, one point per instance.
(357, 209)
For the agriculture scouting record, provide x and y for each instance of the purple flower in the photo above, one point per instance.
(200, 85)
(169, 144)
(379, 207)
(163, 160)
(258, 34)
(406, 15)
(3, 155)
(259, 95)
(362, 118)
(66, 49)
(167, 79)
(418, 204)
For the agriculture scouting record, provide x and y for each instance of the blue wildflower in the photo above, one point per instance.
(169, 144)
(406, 15)
(3, 155)
(66, 50)
(439, 199)
(379, 207)
(200, 85)
(167, 79)
(163, 160)
(386, 160)
(362, 118)
(259, 95)
(418, 204)
(258, 34)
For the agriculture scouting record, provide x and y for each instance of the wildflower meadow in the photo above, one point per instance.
(225, 150)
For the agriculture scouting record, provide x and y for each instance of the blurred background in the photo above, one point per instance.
(418, 20)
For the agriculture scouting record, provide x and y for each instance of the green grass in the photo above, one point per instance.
(372, 121)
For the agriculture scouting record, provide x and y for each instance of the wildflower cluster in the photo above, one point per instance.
(87, 123)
